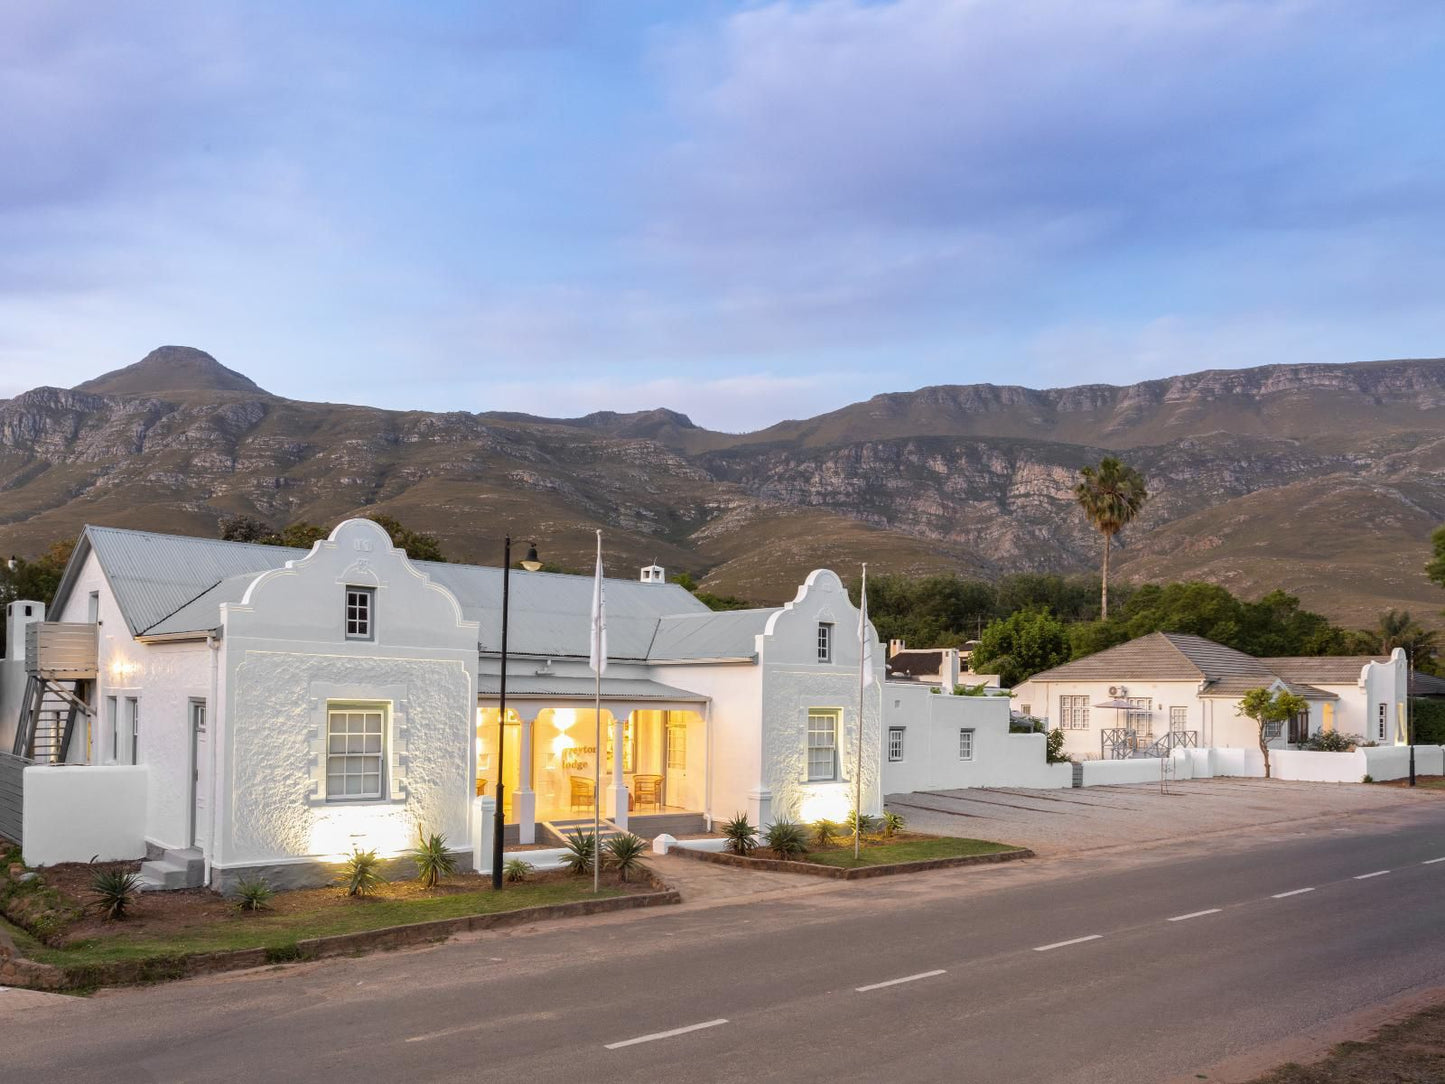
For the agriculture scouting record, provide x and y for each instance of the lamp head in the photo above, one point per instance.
(531, 562)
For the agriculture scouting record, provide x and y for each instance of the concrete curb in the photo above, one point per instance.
(837, 873)
(16, 971)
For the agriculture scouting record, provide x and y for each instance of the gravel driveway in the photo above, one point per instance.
(1086, 818)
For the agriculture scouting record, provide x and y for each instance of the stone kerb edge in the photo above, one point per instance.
(815, 869)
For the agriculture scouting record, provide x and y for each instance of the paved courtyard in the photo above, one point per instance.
(1057, 822)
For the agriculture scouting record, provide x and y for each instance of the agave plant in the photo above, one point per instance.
(581, 852)
(114, 891)
(254, 895)
(825, 834)
(892, 822)
(433, 860)
(624, 853)
(517, 870)
(742, 837)
(787, 839)
(363, 873)
(862, 823)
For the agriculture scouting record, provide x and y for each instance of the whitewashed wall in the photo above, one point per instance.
(287, 657)
(1041, 699)
(76, 813)
(931, 722)
(12, 667)
(731, 736)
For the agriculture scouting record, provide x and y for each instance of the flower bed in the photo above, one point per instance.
(903, 853)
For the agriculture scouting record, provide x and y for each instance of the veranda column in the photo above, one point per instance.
(524, 798)
(617, 792)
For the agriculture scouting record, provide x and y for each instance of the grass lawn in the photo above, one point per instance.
(911, 850)
(325, 914)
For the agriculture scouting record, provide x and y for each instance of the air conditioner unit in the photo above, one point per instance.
(1118, 690)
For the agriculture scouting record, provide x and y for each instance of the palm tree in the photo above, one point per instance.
(1396, 628)
(1111, 495)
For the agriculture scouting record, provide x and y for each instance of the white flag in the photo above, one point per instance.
(598, 657)
(864, 661)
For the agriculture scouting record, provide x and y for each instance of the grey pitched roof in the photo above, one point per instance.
(582, 688)
(727, 634)
(916, 661)
(1161, 656)
(1329, 669)
(172, 584)
(1426, 684)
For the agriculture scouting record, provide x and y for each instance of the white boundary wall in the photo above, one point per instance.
(75, 813)
(1104, 772)
(1381, 763)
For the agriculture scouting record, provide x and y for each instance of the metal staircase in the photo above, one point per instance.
(60, 664)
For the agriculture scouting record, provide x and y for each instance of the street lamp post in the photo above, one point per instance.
(1409, 711)
(499, 823)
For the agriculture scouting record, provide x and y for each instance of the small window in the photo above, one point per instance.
(822, 746)
(1074, 712)
(1383, 708)
(1026, 709)
(1178, 719)
(360, 607)
(895, 743)
(132, 720)
(825, 642)
(965, 745)
(355, 740)
(92, 608)
(112, 724)
(676, 746)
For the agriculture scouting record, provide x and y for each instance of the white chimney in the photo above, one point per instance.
(894, 647)
(654, 574)
(21, 613)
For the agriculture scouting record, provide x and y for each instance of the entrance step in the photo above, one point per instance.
(175, 869)
(562, 831)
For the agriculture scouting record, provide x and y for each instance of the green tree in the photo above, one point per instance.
(36, 580)
(418, 546)
(1021, 645)
(1396, 628)
(1111, 495)
(1269, 709)
(301, 536)
(1435, 569)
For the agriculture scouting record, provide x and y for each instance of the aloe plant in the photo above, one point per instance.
(741, 836)
(433, 860)
(825, 834)
(862, 823)
(581, 852)
(254, 895)
(114, 891)
(624, 853)
(892, 822)
(363, 876)
(517, 870)
(787, 839)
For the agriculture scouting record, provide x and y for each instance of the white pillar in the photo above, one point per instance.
(617, 792)
(524, 798)
(484, 811)
(760, 807)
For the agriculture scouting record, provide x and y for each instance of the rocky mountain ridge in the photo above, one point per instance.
(1324, 479)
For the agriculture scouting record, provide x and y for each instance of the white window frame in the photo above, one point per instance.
(112, 722)
(1073, 712)
(1178, 719)
(1140, 715)
(356, 624)
(352, 745)
(1384, 711)
(965, 743)
(823, 741)
(132, 726)
(825, 641)
(895, 743)
(677, 746)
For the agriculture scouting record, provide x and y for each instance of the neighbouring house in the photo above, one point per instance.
(945, 667)
(235, 709)
(1167, 690)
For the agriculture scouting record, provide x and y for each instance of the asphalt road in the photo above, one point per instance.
(1091, 970)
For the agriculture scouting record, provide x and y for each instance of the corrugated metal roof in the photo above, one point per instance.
(169, 584)
(727, 634)
(582, 688)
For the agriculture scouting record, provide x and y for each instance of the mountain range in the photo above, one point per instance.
(1325, 480)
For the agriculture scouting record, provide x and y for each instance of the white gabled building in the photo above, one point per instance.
(1172, 688)
(254, 709)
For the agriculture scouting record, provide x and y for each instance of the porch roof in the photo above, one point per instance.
(582, 688)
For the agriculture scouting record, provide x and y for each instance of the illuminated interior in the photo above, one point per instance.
(662, 760)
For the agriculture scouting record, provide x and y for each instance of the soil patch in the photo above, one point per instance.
(1411, 1051)
(1429, 782)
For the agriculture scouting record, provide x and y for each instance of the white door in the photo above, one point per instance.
(675, 791)
(199, 780)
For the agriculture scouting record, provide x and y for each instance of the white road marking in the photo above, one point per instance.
(895, 982)
(1196, 914)
(1431, 861)
(664, 1034)
(1367, 876)
(1062, 944)
(448, 1031)
(1296, 892)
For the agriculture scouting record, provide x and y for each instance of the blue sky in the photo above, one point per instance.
(742, 211)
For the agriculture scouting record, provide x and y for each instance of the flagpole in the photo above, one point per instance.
(598, 663)
(862, 671)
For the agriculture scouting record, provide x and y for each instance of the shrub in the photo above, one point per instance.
(517, 870)
(892, 822)
(114, 891)
(1054, 748)
(862, 823)
(787, 839)
(1332, 741)
(624, 853)
(1025, 724)
(433, 860)
(254, 895)
(742, 837)
(581, 852)
(825, 833)
(363, 874)
(1368, 778)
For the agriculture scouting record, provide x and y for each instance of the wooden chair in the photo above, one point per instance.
(582, 793)
(647, 789)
